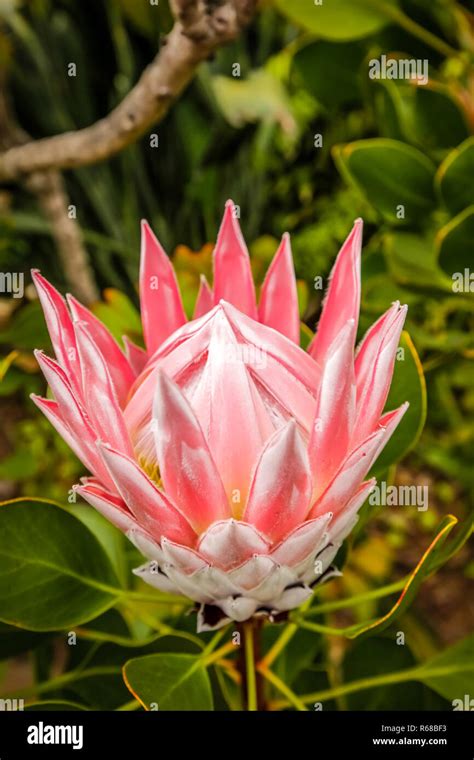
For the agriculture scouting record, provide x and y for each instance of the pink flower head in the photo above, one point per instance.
(234, 460)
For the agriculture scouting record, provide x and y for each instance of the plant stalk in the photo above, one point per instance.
(253, 698)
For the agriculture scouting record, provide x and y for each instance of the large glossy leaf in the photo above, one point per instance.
(451, 673)
(389, 107)
(330, 71)
(110, 626)
(107, 690)
(454, 243)
(54, 573)
(437, 118)
(169, 682)
(378, 656)
(408, 384)
(13, 641)
(390, 174)
(337, 19)
(111, 539)
(454, 177)
(299, 654)
(428, 116)
(411, 259)
(424, 567)
(99, 691)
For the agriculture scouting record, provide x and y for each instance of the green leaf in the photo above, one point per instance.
(390, 174)
(329, 71)
(106, 690)
(13, 641)
(27, 329)
(424, 568)
(389, 108)
(451, 673)
(411, 259)
(169, 682)
(454, 672)
(438, 120)
(427, 116)
(454, 177)
(337, 19)
(98, 692)
(260, 97)
(298, 655)
(108, 535)
(384, 656)
(110, 626)
(454, 242)
(408, 384)
(119, 314)
(452, 547)
(54, 573)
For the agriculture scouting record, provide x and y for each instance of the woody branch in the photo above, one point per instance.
(201, 26)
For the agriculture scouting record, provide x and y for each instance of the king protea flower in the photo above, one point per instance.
(234, 460)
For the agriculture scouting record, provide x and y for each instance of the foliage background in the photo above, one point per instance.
(252, 138)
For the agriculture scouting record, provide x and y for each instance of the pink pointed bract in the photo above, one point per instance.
(234, 460)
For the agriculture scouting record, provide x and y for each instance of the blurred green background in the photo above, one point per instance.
(302, 140)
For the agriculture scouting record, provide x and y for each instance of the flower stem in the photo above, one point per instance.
(250, 672)
(293, 698)
(279, 645)
(218, 654)
(252, 682)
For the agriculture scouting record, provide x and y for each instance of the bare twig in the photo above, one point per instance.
(201, 26)
(50, 192)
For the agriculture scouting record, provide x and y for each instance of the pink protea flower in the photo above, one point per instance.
(234, 460)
